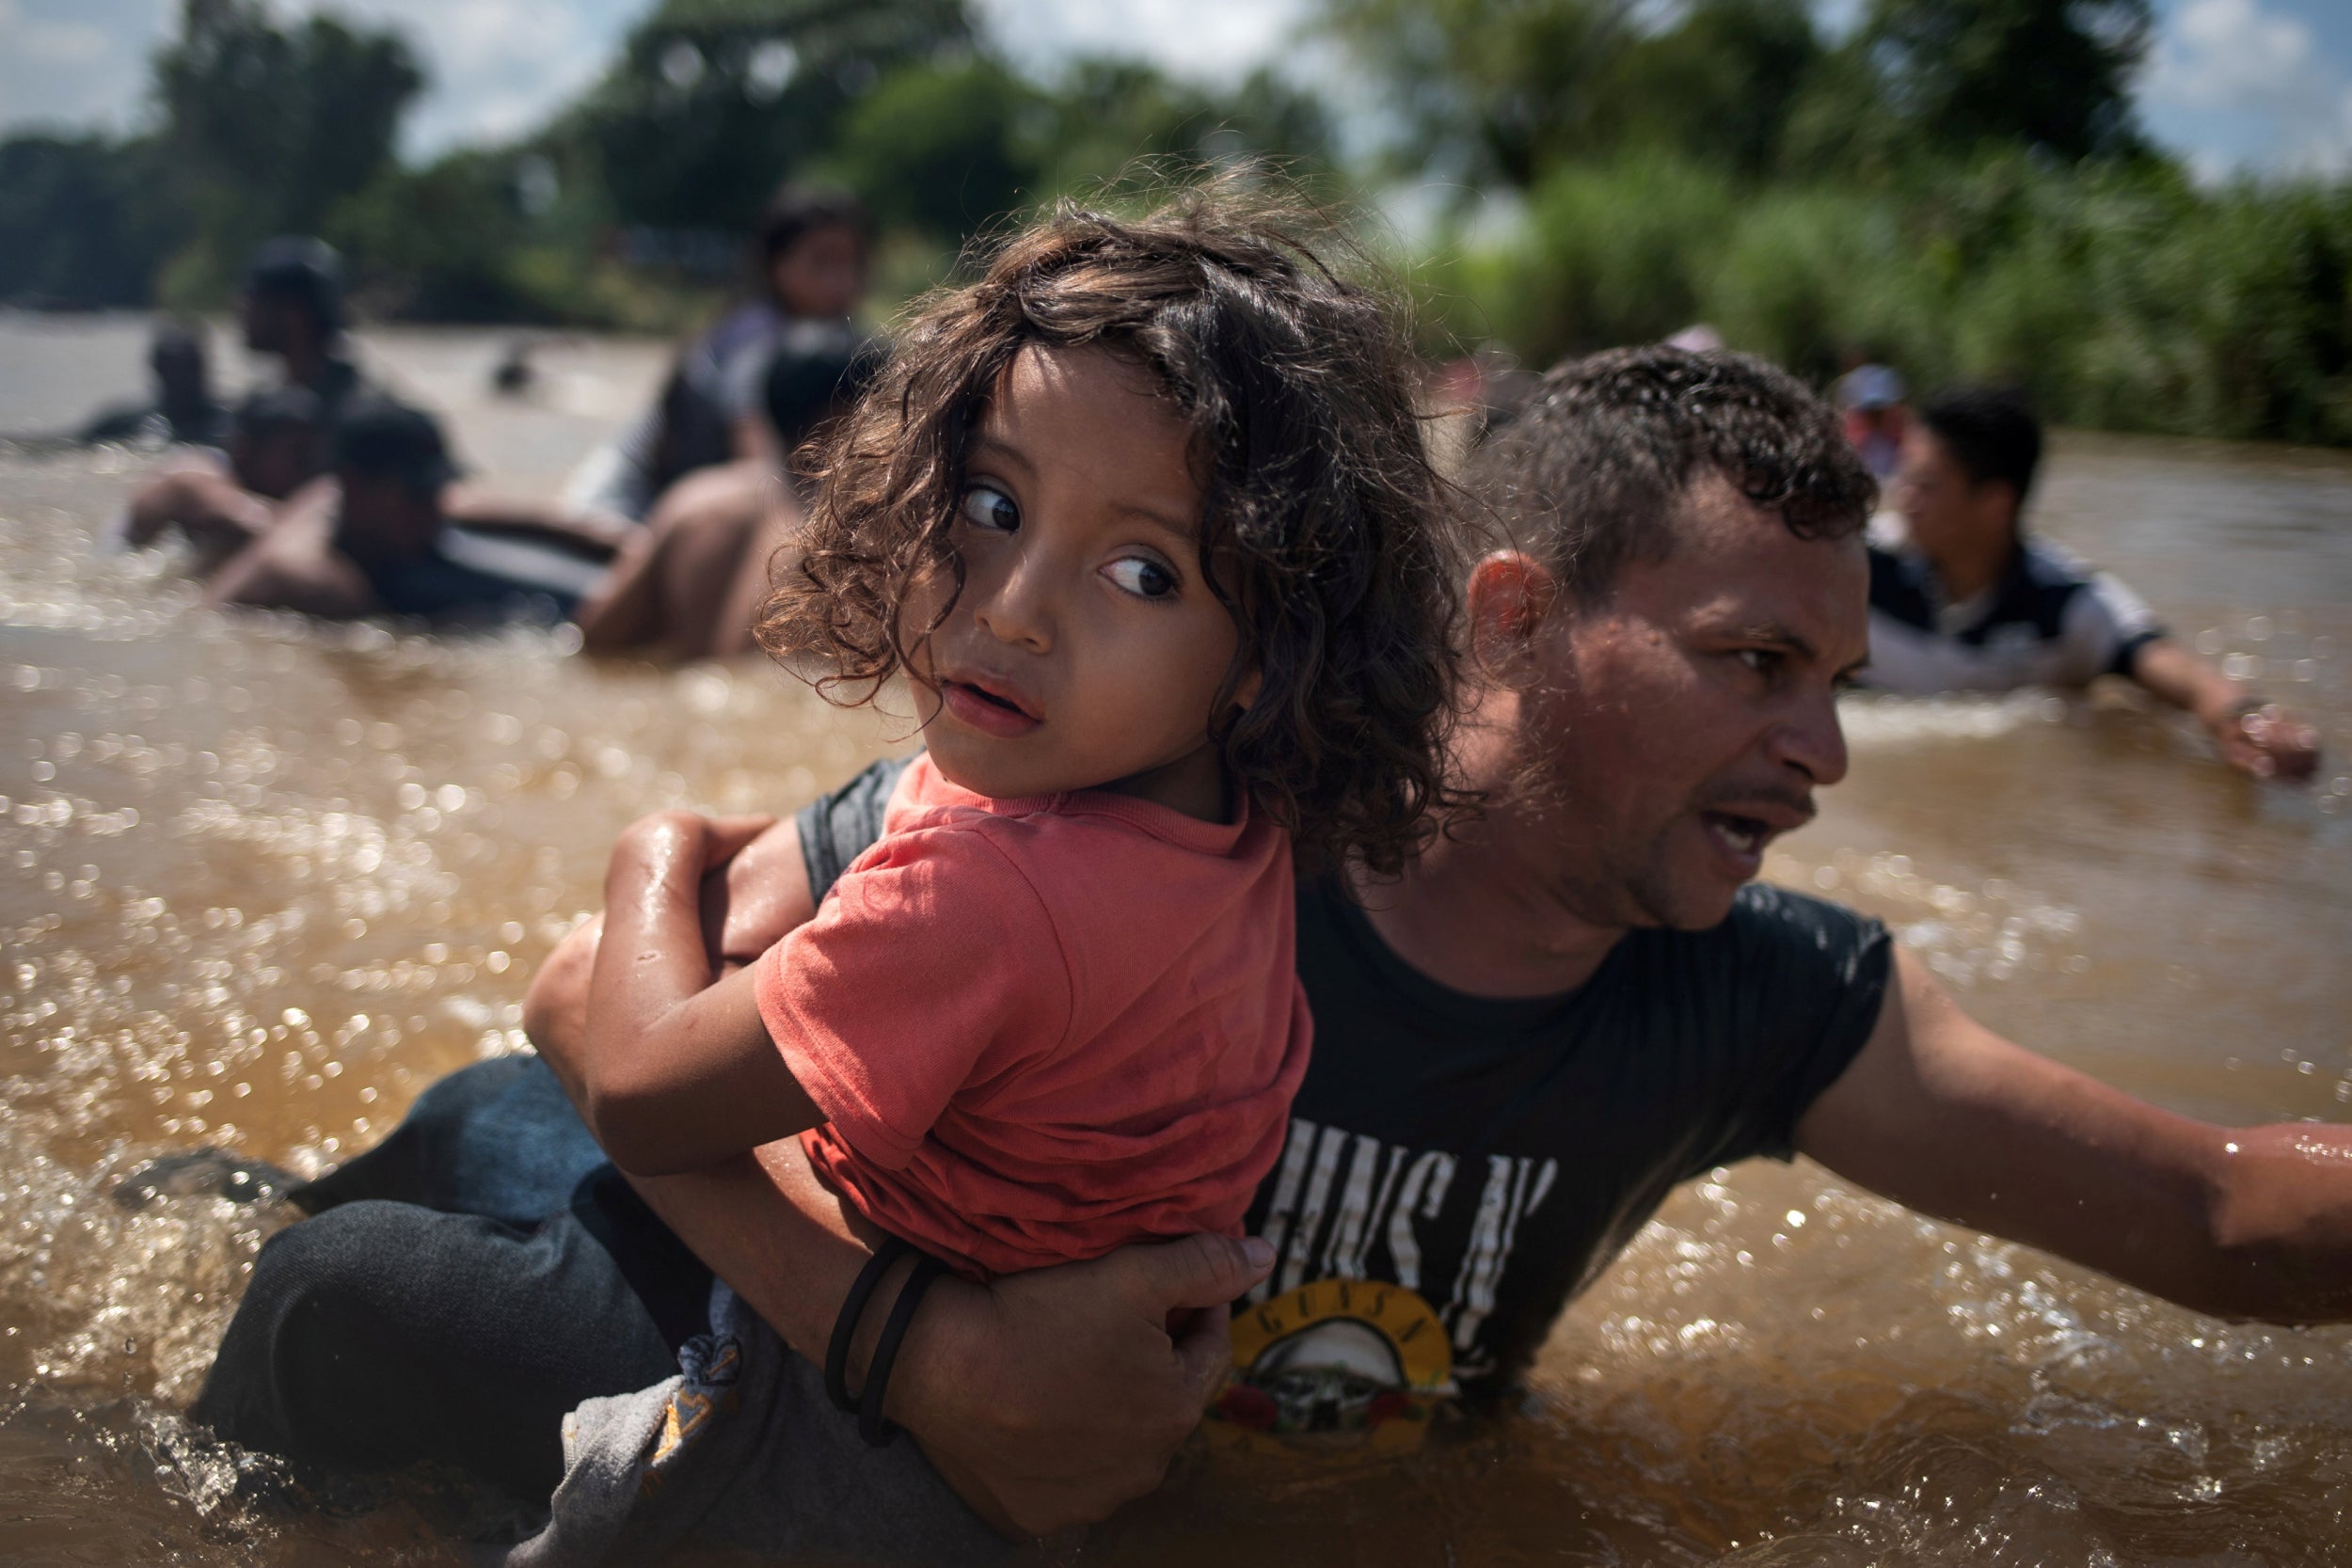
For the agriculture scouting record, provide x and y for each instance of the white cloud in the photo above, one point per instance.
(2258, 73)
(1214, 41)
(497, 67)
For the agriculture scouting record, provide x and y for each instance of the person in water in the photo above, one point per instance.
(378, 539)
(1143, 520)
(1561, 1012)
(809, 264)
(222, 504)
(182, 412)
(690, 582)
(292, 309)
(1963, 599)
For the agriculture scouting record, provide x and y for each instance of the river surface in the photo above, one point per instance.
(261, 881)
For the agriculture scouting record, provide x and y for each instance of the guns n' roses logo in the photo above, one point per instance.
(1352, 1360)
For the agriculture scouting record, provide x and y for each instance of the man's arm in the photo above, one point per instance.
(1047, 1399)
(2255, 737)
(1943, 1115)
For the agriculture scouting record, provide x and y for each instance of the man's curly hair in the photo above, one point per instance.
(1323, 523)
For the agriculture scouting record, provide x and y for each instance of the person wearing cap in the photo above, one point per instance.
(690, 581)
(809, 260)
(1870, 399)
(182, 412)
(379, 539)
(1963, 599)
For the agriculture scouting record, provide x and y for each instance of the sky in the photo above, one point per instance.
(2262, 85)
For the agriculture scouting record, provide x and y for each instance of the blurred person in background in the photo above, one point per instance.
(380, 538)
(182, 412)
(291, 308)
(1870, 400)
(691, 580)
(222, 504)
(811, 253)
(1963, 599)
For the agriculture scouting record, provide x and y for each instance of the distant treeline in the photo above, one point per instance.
(1957, 187)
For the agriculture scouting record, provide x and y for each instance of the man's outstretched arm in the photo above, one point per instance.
(2254, 737)
(1047, 1399)
(1943, 1115)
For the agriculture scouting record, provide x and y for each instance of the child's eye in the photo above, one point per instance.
(985, 506)
(1143, 578)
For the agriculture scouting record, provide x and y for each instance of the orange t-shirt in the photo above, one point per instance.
(1044, 1028)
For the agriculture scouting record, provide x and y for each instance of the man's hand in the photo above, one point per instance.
(2267, 741)
(2254, 737)
(1051, 1397)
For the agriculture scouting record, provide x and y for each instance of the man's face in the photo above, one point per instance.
(1677, 727)
(1945, 510)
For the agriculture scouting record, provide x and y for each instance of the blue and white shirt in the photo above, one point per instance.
(2049, 620)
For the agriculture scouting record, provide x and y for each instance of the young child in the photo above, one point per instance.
(1142, 520)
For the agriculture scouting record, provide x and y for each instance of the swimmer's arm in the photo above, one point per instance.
(2256, 737)
(274, 572)
(597, 535)
(1940, 1113)
(677, 1070)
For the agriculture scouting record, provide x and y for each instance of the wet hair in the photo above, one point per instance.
(1588, 475)
(306, 273)
(176, 343)
(1323, 523)
(796, 212)
(380, 438)
(1990, 430)
(819, 369)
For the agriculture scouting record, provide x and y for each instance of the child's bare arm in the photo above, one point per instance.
(676, 1072)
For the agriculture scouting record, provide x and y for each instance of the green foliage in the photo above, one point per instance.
(939, 148)
(267, 128)
(84, 221)
(2117, 294)
(445, 242)
(715, 103)
(2050, 74)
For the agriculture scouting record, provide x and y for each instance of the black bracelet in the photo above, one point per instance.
(871, 1424)
(852, 1312)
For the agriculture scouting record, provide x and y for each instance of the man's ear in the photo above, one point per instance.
(1511, 595)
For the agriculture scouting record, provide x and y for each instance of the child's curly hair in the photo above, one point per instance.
(1323, 527)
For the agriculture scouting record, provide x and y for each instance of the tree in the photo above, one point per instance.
(267, 128)
(1490, 88)
(939, 147)
(84, 221)
(714, 102)
(2051, 75)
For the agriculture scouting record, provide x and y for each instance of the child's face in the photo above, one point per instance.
(1084, 648)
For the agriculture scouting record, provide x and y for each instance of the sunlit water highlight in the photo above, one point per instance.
(262, 881)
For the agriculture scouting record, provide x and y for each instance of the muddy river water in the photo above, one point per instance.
(261, 881)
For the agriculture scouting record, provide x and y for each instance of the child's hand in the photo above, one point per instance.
(675, 849)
